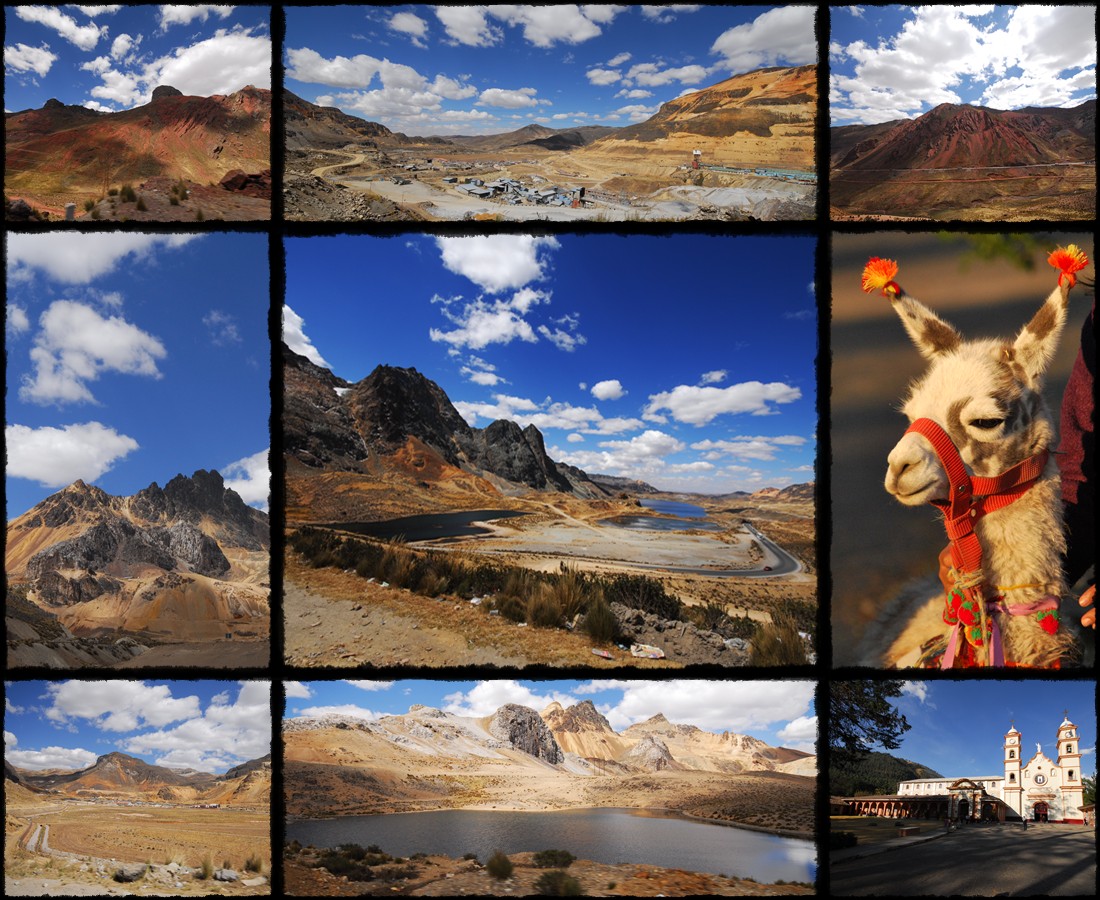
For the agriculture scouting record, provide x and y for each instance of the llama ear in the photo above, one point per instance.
(1035, 344)
(929, 332)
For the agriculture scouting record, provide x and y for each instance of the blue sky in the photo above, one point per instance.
(483, 70)
(205, 725)
(132, 358)
(958, 727)
(111, 57)
(686, 361)
(897, 62)
(780, 713)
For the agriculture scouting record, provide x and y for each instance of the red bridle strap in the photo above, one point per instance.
(970, 498)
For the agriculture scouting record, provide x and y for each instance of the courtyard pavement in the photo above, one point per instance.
(979, 861)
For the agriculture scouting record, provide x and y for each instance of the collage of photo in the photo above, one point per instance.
(493, 450)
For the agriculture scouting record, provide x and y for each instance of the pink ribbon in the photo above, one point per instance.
(996, 645)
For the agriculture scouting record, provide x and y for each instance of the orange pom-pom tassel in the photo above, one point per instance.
(878, 275)
(1068, 260)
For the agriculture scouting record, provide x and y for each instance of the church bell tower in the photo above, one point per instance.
(1069, 759)
(1013, 790)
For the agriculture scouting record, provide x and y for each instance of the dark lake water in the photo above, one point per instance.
(687, 515)
(429, 527)
(603, 835)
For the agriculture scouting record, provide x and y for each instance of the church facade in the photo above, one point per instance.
(1036, 790)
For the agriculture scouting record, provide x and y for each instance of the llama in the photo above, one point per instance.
(978, 449)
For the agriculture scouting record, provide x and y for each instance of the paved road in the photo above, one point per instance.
(1052, 860)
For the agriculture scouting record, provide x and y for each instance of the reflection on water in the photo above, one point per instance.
(657, 523)
(429, 527)
(604, 835)
(675, 508)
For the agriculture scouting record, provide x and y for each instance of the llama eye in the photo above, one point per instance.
(986, 424)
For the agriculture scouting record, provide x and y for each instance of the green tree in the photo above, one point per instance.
(861, 716)
(1088, 782)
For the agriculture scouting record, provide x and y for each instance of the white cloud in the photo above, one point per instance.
(10, 741)
(226, 733)
(468, 25)
(118, 705)
(222, 327)
(546, 415)
(410, 24)
(603, 76)
(783, 35)
(73, 258)
(800, 734)
(298, 690)
(519, 98)
(370, 685)
(543, 26)
(65, 758)
(497, 263)
(575, 438)
(717, 376)
(635, 94)
(294, 337)
(250, 477)
(563, 339)
(759, 448)
(714, 705)
(220, 64)
(611, 389)
(21, 58)
(486, 697)
(17, 321)
(185, 15)
(665, 14)
(634, 113)
(700, 405)
(649, 75)
(76, 344)
(83, 36)
(55, 457)
(121, 46)
(917, 689)
(348, 709)
(92, 11)
(10, 707)
(619, 59)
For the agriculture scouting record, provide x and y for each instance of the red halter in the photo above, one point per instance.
(970, 498)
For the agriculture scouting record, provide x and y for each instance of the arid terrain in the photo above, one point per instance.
(393, 446)
(968, 163)
(98, 580)
(737, 150)
(561, 758)
(185, 158)
(124, 826)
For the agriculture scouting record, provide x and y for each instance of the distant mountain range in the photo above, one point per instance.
(429, 756)
(60, 152)
(124, 777)
(959, 155)
(399, 422)
(875, 773)
(761, 118)
(186, 561)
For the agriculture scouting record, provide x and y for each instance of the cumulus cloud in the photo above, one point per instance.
(717, 376)
(83, 36)
(250, 477)
(603, 76)
(519, 98)
(497, 263)
(185, 15)
(1041, 56)
(714, 705)
(635, 94)
(75, 344)
(800, 734)
(486, 697)
(758, 448)
(410, 24)
(481, 372)
(298, 690)
(917, 689)
(118, 705)
(619, 59)
(92, 11)
(21, 58)
(468, 25)
(370, 685)
(781, 36)
(700, 405)
(665, 14)
(55, 457)
(294, 337)
(66, 758)
(545, 415)
(611, 389)
(649, 75)
(17, 321)
(227, 733)
(567, 339)
(10, 740)
(72, 258)
(347, 709)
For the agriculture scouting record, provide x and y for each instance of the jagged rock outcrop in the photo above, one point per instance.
(318, 430)
(255, 184)
(185, 543)
(115, 542)
(651, 754)
(504, 449)
(166, 90)
(525, 730)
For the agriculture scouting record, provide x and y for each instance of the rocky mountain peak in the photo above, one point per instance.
(166, 90)
(525, 730)
(651, 754)
(583, 716)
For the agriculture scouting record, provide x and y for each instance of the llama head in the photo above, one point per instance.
(985, 394)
